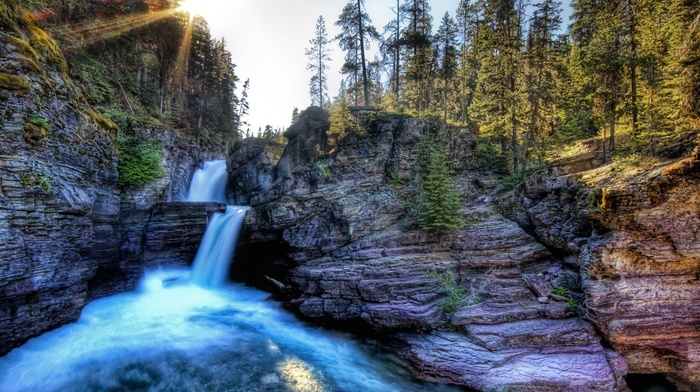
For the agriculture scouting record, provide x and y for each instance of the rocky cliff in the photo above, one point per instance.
(633, 233)
(68, 234)
(332, 227)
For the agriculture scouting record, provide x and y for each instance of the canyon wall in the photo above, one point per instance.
(329, 225)
(634, 233)
(68, 233)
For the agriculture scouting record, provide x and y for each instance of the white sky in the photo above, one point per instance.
(267, 39)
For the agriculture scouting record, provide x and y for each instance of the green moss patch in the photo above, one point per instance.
(47, 47)
(23, 47)
(30, 179)
(103, 121)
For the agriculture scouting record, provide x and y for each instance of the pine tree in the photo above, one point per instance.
(355, 38)
(392, 51)
(685, 61)
(629, 10)
(319, 55)
(498, 97)
(598, 31)
(541, 75)
(243, 106)
(416, 38)
(469, 21)
(441, 209)
(655, 105)
(446, 51)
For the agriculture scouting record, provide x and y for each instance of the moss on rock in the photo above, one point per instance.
(46, 46)
(23, 47)
(34, 134)
(13, 82)
(103, 121)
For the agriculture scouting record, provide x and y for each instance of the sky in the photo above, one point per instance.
(268, 38)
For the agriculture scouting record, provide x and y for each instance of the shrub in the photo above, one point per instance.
(447, 284)
(513, 180)
(140, 161)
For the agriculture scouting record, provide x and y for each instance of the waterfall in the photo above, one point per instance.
(215, 252)
(210, 266)
(198, 334)
(209, 182)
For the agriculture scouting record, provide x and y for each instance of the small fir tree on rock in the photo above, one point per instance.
(441, 209)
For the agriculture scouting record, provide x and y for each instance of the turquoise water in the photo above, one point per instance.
(173, 336)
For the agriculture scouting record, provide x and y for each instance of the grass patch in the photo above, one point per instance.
(561, 291)
(39, 121)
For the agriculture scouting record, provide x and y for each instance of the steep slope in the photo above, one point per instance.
(329, 223)
(634, 234)
(66, 235)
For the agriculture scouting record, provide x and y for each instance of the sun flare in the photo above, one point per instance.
(194, 7)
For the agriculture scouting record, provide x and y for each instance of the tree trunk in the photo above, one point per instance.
(397, 62)
(633, 68)
(605, 158)
(612, 133)
(365, 83)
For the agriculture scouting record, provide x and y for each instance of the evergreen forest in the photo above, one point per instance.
(530, 85)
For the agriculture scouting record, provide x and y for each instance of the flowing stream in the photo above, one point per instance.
(190, 331)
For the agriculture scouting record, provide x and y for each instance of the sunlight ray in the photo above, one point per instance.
(183, 56)
(88, 33)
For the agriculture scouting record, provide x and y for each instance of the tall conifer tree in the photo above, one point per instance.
(319, 56)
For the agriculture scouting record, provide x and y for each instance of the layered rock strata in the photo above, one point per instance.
(348, 256)
(634, 234)
(66, 235)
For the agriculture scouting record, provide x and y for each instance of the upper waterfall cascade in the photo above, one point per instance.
(209, 182)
